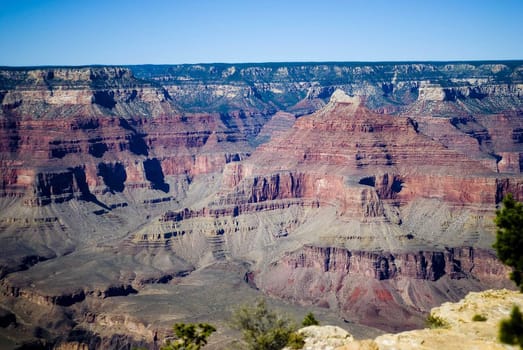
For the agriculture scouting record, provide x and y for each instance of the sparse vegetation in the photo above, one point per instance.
(479, 318)
(264, 329)
(511, 330)
(436, 322)
(509, 237)
(310, 320)
(509, 245)
(296, 341)
(189, 336)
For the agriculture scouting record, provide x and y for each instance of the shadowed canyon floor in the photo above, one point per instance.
(133, 198)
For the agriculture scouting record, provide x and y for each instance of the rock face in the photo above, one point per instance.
(126, 181)
(461, 331)
(325, 337)
(399, 285)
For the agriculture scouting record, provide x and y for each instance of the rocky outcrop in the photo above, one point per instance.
(75, 92)
(85, 340)
(74, 345)
(462, 328)
(263, 88)
(65, 297)
(324, 337)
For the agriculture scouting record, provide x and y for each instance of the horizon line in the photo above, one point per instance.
(261, 63)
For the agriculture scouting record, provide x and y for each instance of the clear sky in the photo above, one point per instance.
(81, 32)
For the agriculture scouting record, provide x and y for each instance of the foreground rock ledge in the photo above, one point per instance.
(462, 331)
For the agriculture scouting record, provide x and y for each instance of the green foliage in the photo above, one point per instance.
(509, 245)
(264, 329)
(509, 237)
(296, 341)
(310, 320)
(479, 318)
(189, 336)
(436, 322)
(511, 330)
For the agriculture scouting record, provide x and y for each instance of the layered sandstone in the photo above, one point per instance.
(365, 160)
(77, 160)
(380, 288)
(302, 88)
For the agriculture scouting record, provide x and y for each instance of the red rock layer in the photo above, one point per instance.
(332, 153)
(61, 158)
(380, 289)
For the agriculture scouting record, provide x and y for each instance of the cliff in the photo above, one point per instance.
(380, 289)
(304, 87)
(426, 88)
(461, 332)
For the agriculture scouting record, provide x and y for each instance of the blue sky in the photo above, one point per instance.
(76, 32)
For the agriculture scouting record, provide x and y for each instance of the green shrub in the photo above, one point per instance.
(310, 320)
(189, 336)
(511, 330)
(296, 341)
(479, 318)
(436, 322)
(509, 237)
(509, 245)
(264, 329)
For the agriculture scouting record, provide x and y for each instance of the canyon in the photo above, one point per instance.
(136, 197)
